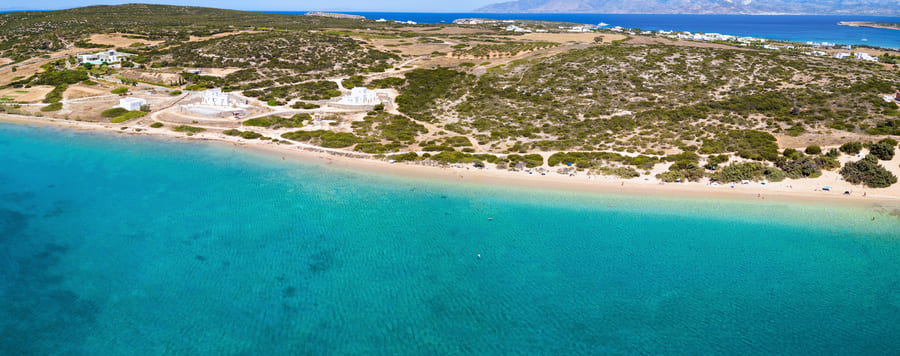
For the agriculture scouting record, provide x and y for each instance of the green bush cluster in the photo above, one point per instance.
(621, 172)
(682, 171)
(111, 113)
(851, 148)
(737, 172)
(868, 172)
(587, 160)
(530, 160)
(883, 150)
(749, 144)
(324, 138)
(52, 107)
(250, 135)
(279, 122)
(128, 115)
(188, 129)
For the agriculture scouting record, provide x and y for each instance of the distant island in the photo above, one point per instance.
(335, 15)
(885, 25)
(715, 7)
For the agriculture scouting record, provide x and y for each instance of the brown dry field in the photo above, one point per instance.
(118, 40)
(447, 30)
(215, 72)
(78, 91)
(5, 61)
(828, 137)
(567, 37)
(34, 94)
(168, 78)
(24, 71)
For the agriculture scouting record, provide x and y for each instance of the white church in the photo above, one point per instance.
(360, 96)
(216, 97)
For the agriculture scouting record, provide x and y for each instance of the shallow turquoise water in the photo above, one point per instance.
(133, 245)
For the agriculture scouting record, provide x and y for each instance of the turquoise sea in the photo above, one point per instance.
(117, 245)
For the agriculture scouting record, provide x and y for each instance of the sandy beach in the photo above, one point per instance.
(801, 191)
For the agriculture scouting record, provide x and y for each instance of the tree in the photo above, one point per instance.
(851, 148)
(813, 150)
(868, 172)
(882, 150)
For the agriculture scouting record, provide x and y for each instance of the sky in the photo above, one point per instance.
(274, 5)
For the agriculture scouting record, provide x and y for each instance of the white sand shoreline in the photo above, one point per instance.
(788, 191)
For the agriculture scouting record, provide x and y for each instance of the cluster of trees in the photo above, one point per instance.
(867, 171)
(249, 135)
(588, 160)
(324, 138)
(298, 120)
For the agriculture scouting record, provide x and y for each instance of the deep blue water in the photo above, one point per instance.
(780, 27)
(115, 245)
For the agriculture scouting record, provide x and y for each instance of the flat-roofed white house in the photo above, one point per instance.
(216, 97)
(360, 96)
(131, 104)
(110, 56)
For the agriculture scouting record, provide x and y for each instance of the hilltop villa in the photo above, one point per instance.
(360, 96)
(110, 56)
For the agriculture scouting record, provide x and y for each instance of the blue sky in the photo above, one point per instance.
(275, 5)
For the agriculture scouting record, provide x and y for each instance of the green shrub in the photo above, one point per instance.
(52, 107)
(749, 144)
(188, 129)
(127, 116)
(807, 166)
(868, 172)
(791, 153)
(621, 172)
(851, 148)
(737, 172)
(175, 93)
(119, 91)
(278, 121)
(882, 150)
(683, 170)
(813, 150)
(324, 138)
(352, 82)
(111, 113)
(306, 106)
(156, 125)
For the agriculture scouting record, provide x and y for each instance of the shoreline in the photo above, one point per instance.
(782, 192)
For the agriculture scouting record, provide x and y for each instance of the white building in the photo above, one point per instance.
(131, 104)
(216, 97)
(865, 56)
(360, 96)
(842, 55)
(110, 56)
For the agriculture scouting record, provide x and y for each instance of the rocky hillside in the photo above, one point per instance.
(849, 7)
